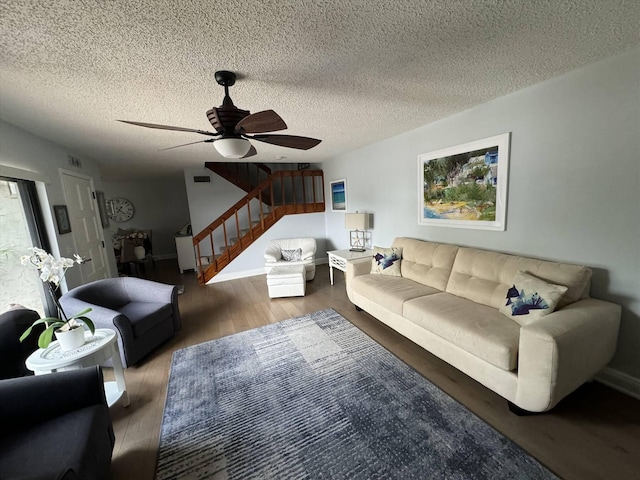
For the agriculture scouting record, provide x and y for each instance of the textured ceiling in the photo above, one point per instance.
(347, 72)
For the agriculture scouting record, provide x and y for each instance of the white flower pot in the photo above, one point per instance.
(139, 252)
(70, 339)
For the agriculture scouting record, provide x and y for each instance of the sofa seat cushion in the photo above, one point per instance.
(390, 291)
(76, 445)
(145, 315)
(480, 330)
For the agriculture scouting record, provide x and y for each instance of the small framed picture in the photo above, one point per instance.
(62, 219)
(339, 196)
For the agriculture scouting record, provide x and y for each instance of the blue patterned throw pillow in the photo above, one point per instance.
(531, 298)
(386, 261)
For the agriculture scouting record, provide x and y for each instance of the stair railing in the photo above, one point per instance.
(293, 191)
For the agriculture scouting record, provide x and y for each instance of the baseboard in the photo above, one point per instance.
(165, 256)
(620, 381)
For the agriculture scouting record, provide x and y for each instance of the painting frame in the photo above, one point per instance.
(62, 219)
(338, 191)
(448, 177)
(102, 208)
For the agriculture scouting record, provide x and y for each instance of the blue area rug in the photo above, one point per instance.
(313, 397)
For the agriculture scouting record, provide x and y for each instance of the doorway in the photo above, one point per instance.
(86, 227)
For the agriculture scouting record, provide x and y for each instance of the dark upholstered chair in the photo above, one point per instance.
(144, 313)
(13, 353)
(55, 426)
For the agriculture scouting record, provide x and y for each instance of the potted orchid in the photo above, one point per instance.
(68, 329)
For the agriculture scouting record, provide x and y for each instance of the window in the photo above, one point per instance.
(21, 227)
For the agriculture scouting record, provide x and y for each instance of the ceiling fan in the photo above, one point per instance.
(233, 125)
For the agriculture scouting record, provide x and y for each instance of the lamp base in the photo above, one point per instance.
(357, 249)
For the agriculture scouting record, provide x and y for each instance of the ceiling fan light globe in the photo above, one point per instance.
(232, 147)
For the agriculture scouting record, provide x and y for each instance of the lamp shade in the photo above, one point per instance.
(232, 147)
(356, 221)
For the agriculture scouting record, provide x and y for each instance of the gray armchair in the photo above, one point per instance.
(13, 352)
(55, 426)
(144, 313)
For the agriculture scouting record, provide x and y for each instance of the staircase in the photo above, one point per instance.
(281, 193)
(246, 176)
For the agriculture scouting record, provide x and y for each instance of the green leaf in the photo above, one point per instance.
(78, 315)
(45, 337)
(88, 323)
(26, 333)
(46, 320)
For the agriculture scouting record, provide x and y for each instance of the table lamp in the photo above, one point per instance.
(357, 223)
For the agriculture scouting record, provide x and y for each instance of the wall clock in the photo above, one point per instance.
(120, 210)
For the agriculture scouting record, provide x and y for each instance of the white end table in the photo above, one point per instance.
(339, 258)
(98, 348)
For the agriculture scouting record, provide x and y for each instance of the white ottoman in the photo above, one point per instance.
(286, 281)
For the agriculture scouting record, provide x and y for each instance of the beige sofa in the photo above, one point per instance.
(447, 300)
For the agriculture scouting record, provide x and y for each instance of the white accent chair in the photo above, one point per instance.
(273, 254)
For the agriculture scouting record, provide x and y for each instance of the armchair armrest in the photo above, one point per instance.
(141, 290)
(27, 401)
(273, 254)
(561, 351)
(102, 317)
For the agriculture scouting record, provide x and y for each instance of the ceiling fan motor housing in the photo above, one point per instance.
(225, 119)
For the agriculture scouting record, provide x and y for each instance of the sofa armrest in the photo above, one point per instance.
(359, 266)
(272, 254)
(561, 351)
(27, 401)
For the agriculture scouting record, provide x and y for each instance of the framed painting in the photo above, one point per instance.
(102, 208)
(339, 196)
(62, 219)
(465, 186)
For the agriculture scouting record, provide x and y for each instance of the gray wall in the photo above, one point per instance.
(160, 205)
(573, 182)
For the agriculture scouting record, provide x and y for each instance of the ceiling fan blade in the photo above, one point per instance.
(291, 141)
(185, 144)
(252, 151)
(169, 127)
(261, 122)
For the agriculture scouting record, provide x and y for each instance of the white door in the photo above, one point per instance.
(86, 227)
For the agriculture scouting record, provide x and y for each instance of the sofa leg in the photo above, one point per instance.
(521, 412)
(358, 309)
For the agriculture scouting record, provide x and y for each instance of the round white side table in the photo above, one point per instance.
(98, 348)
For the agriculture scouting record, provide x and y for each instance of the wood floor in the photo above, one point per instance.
(593, 434)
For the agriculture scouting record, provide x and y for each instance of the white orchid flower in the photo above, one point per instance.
(52, 270)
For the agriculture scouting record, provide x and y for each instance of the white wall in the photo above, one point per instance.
(160, 205)
(573, 183)
(24, 155)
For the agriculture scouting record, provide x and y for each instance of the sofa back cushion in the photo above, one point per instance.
(426, 262)
(485, 277)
